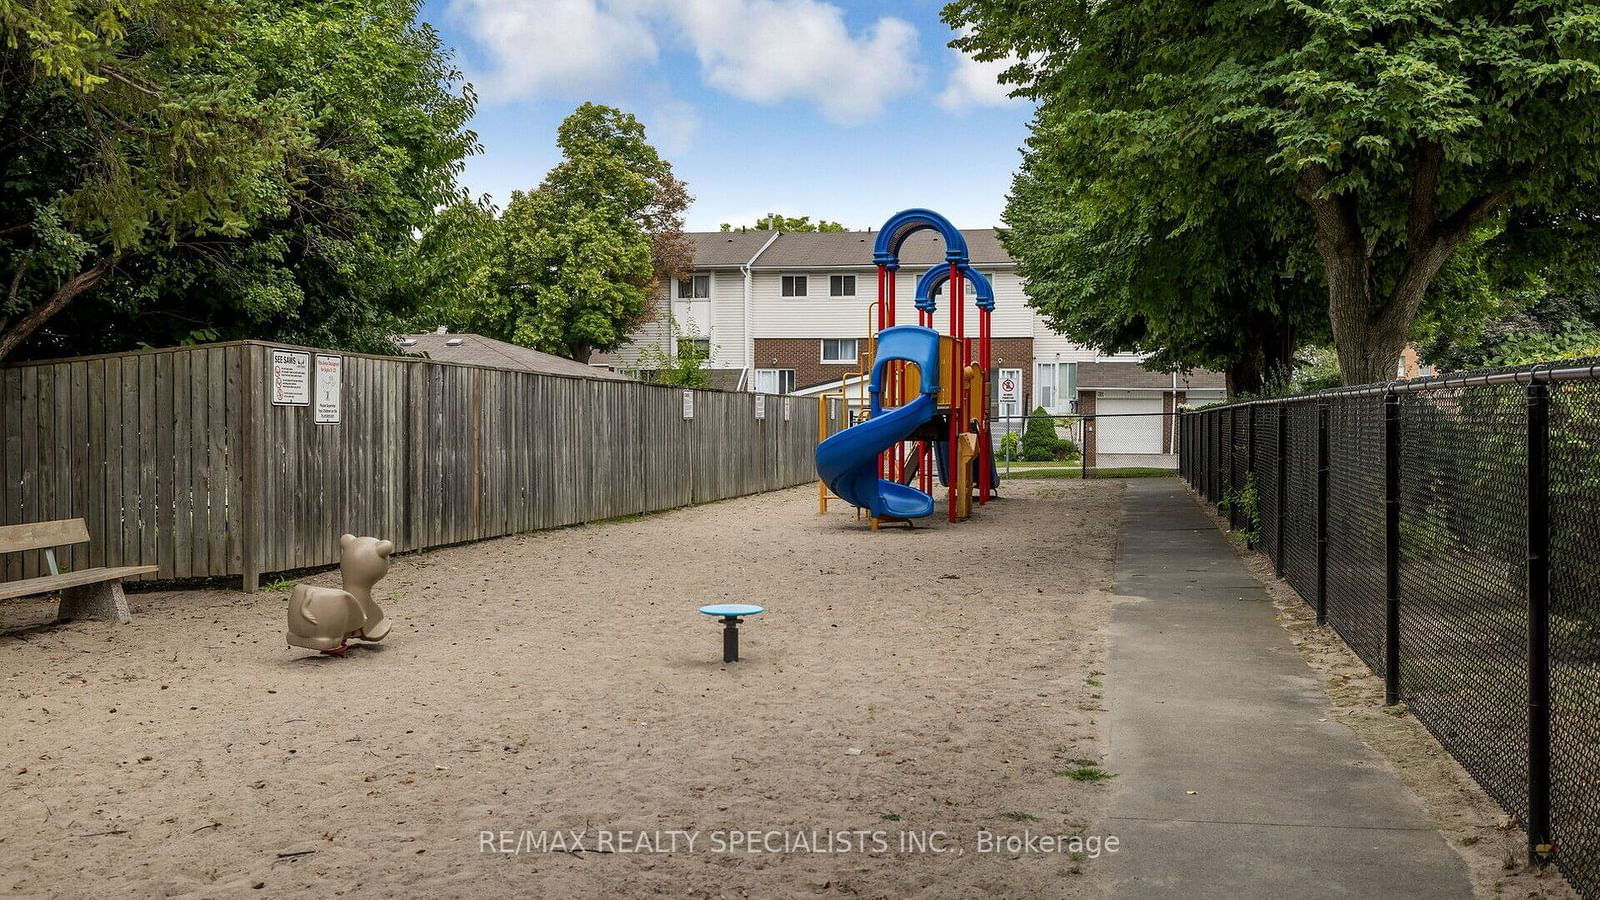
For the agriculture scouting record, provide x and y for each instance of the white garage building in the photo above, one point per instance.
(1132, 411)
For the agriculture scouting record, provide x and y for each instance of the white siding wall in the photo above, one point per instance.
(819, 315)
(1047, 343)
(654, 333)
(815, 315)
(727, 320)
(725, 328)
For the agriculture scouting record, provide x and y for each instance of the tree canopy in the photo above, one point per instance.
(780, 222)
(1384, 137)
(207, 168)
(571, 267)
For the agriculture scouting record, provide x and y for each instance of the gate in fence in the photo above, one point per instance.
(1449, 530)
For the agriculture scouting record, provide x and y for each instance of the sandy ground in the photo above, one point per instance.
(902, 682)
(1493, 846)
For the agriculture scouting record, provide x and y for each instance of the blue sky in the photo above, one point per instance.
(835, 109)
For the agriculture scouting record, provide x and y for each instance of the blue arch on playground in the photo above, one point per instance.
(937, 275)
(903, 224)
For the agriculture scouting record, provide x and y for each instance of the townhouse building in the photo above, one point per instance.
(790, 313)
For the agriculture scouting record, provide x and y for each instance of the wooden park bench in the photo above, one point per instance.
(86, 593)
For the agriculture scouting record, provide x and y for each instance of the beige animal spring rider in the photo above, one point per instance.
(325, 619)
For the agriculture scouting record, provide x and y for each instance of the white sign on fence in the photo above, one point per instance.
(788, 409)
(330, 390)
(761, 406)
(688, 404)
(1009, 389)
(291, 378)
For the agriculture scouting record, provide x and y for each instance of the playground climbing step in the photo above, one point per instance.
(1231, 781)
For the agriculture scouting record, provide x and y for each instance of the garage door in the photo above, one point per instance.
(1133, 434)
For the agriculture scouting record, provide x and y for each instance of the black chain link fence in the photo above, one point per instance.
(1480, 605)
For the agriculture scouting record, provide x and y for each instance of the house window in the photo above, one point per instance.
(794, 285)
(1055, 385)
(694, 346)
(841, 285)
(695, 287)
(839, 350)
(968, 292)
(774, 381)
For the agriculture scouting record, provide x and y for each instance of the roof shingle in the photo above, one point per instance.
(477, 350)
(807, 249)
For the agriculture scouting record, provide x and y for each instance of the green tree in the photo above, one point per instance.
(125, 131)
(1392, 133)
(374, 133)
(1120, 273)
(780, 222)
(1039, 441)
(573, 265)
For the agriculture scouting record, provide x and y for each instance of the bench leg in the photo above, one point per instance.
(104, 601)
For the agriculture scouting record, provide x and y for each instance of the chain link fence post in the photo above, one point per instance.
(1252, 540)
(1233, 467)
(1283, 488)
(1539, 837)
(1322, 511)
(1391, 543)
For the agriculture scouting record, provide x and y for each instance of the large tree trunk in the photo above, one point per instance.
(1246, 374)
(1368, 349)
(12, 338)
(1369, 330)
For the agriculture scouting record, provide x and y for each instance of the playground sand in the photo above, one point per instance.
(914, 686)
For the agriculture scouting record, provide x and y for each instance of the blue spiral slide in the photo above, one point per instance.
(848, 462)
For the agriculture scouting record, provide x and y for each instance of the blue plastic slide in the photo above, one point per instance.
(848, 461)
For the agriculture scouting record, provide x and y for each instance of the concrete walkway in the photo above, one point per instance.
(1230, 780)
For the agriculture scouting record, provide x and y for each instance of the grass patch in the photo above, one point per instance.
(1074, 472)
(281, 586)
(889, 817)
(1019, 816)
(1085, 771)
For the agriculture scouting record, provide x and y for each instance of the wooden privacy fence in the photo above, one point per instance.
(247, 458)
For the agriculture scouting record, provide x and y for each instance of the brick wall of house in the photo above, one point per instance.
(1015, 353)
(804, 356)
(1086, 408)
(1168, 407)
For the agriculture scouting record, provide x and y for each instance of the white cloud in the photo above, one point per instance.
(769, 51)
(555, 47)
(763, 51)
(671, 125)
(973, 83)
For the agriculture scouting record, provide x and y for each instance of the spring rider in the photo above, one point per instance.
(325, 619)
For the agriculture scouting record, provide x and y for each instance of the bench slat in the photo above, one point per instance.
(46, 584)
(39, 535)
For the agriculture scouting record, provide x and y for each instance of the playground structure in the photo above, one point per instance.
(927, 393)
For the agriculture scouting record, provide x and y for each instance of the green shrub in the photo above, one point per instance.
(1039, 439)
(1011, 445)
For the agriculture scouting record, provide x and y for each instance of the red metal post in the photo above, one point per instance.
(985, 438)
(882, 272)
(951, 449)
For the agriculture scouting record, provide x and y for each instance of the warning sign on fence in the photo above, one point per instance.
(291, 378)
(688, 404)
(761, 406)
(330, 390)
